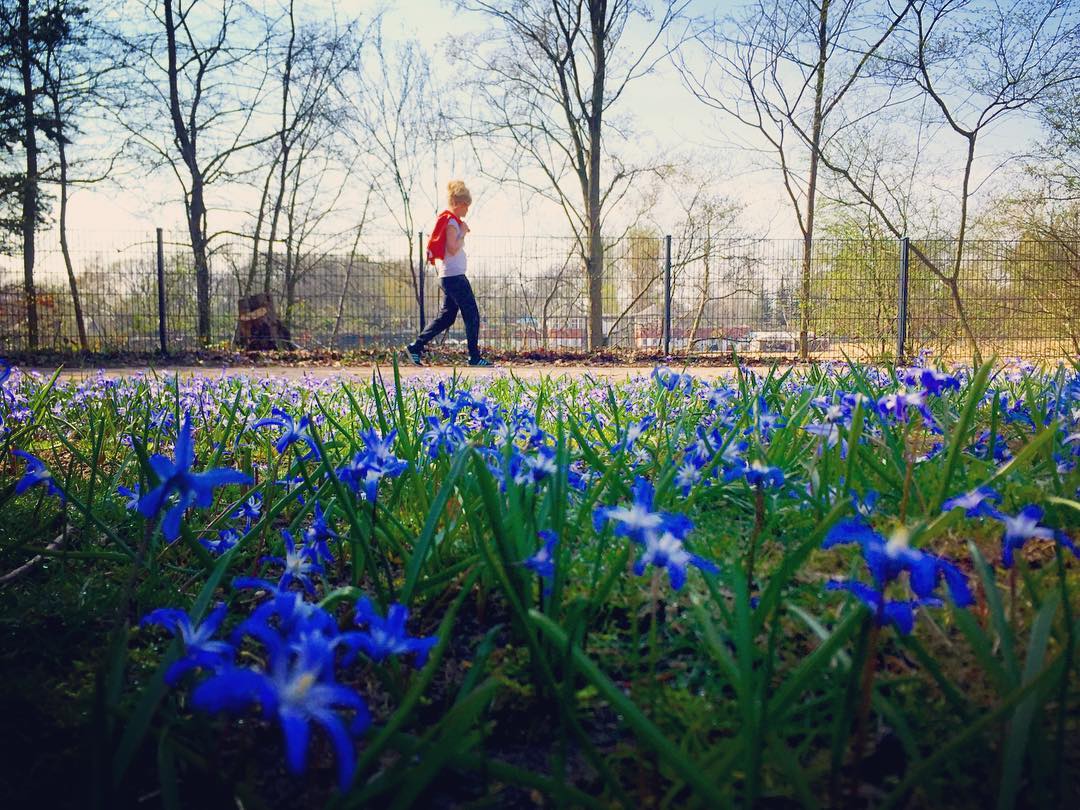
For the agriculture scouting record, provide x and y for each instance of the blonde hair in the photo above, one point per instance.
(457, 193)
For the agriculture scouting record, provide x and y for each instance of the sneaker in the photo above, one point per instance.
(414, 356)
(480, 362)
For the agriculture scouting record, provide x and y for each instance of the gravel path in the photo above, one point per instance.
(524, 371)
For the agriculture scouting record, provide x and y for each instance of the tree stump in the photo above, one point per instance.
(258, 327)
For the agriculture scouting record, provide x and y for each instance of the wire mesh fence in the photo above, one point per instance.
(757, 297)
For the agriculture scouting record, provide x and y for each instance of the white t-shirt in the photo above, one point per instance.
(453, 265)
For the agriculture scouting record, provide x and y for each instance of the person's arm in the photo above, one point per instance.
(455, 239)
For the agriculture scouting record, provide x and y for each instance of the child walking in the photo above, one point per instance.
(446, 250)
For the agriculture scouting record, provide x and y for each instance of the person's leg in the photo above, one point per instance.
(445, 319)
(470, 313)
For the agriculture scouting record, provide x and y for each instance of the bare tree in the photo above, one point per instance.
(317, 57)
(196, 71)
(75, 77)
(548, 78)
(396, 121)
(976, 66)
(784, 70)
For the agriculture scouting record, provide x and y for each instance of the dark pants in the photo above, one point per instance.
(457, 297)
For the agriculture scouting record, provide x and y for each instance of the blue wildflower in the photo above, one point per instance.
(532, 469)
(319, 532)
(442, 436)
(542, 563)
(759, 473)
(191, 488)
(1022, 527)
(638, 519)
(886, 560)
(299, 688)
(933, 382)
(634, 431)
(300, 562)
(36, 473)
(897, 612)
(250, 509)
(373, 464)
(665, 550)
(227, 539)
(386, 637)
(688, 474)
(672, 380)
(447, 404)
(977, 503)
(293, 431)
(286, 614)
(162, 419)
(132, 495)
(200, 648)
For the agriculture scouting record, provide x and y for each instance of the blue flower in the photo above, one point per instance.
(671, 380)
(933, 382)
(665, 550)
(1022, 527)
(191, 488)
(759, 473)
(386, 637)
(227, 539)
(442, 436)
(250, 508)
(897, 612)
(448, 405)
(638, 519)
(300, 562)
(285, 615)
(886, 560)
(319, 532)
(162, 419)
(200, 648)
(542, 563)
(36, 473)
(634, 431)
(299, 688)
(765, 420)
(532, 469)
(132, 496)
(705, 446)
(294, 431)
(688, 474)
(369, 467)
(977, 503)
(5, 371)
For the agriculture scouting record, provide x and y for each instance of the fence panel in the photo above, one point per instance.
(1018, 298)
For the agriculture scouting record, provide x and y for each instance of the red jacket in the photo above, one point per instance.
(436, 244)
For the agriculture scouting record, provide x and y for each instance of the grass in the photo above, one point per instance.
(753, 685)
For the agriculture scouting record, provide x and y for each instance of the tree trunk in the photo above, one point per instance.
(283, 134)
(811, 189)
(598, 20)
(704, 296)
(30, 183)
(195, 204)
(80, 324)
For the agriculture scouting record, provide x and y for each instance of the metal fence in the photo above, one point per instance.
(867, 299)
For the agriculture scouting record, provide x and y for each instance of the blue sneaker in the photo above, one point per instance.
(480, 362)
(414, 356)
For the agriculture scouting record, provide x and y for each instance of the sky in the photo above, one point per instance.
(667, 115)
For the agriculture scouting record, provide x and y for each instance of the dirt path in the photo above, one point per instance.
(524, 371)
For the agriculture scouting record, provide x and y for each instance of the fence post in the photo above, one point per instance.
(902, 300)
(420, 277)
(667, 294)
(162, 334)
